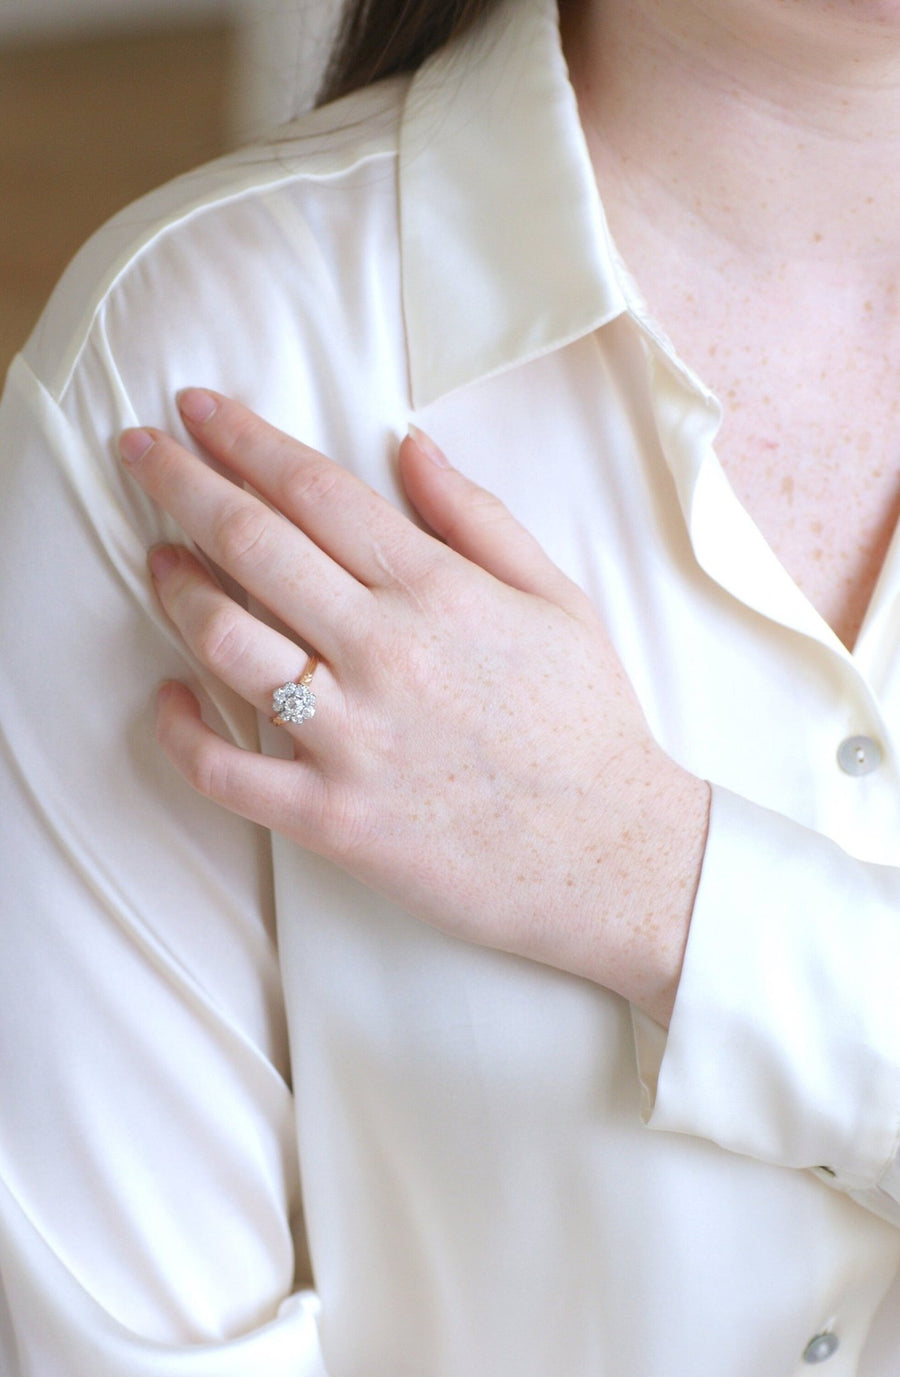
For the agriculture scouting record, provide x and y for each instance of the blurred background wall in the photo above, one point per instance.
(101, 100)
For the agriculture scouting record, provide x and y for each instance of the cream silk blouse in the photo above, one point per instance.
(504, 1173)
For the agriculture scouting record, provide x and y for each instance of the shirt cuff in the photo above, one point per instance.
(784, 1043)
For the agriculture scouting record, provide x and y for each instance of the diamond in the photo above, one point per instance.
(294, 703)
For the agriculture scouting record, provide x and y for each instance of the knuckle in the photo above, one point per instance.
(200, 756)
(310, 485)
(220, 641)
(205, 770)
(241, 435)
(487, 507)
(481, 509)
(166, 472)
(244, 537)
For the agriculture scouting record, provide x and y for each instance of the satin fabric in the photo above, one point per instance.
(216, 1048)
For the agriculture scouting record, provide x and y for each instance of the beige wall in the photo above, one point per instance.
(280, 43)
(76, 18)
(87, 125)
(100, 100)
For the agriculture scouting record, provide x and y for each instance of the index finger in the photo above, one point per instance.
(354, 525)
(278, 564)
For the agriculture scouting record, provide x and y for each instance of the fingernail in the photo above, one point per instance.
(196, 405)
(428, 447)
(162, 561)
(133, 444)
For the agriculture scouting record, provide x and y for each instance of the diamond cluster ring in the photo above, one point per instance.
(295, 702)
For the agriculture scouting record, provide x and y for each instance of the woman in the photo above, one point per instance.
(509, 1163)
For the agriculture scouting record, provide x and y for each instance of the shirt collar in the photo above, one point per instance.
(505, 249)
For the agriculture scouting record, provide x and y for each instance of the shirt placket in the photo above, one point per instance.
(852, 743)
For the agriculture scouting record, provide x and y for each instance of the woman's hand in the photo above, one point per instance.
(477, 753)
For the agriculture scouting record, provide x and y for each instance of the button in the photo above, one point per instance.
(821, 1348)
(859, 755)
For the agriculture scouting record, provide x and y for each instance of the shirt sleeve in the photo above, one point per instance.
(784, 1043)
(149, 1201)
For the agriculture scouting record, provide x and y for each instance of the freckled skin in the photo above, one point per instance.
(492, 814)
(818, 469)
(747, 158)
(733, 160)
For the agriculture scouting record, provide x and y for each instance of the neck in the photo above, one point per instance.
(770, 127)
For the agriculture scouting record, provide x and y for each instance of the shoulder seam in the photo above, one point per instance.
(329, 143)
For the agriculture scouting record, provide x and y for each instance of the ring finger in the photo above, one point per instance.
(246, 654)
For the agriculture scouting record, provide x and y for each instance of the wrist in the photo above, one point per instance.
(648, 886)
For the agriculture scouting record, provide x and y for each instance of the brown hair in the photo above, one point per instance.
(379, 38)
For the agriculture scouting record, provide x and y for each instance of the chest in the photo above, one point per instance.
(811, 444)
(736, 675)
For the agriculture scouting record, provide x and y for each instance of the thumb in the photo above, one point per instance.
(476, 524)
